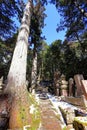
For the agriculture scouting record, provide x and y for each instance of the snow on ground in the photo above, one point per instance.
(58, 103)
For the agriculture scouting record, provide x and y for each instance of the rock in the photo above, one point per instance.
(75, 100)
(84, 87)
(68, 114)
(80, 123)
(79, 90)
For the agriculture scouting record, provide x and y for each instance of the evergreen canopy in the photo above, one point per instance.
(8, 10)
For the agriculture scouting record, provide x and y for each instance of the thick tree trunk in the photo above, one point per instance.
(34, 70)
(42, 71)
(39, 77)
(16, 86)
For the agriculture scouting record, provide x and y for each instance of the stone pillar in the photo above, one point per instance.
(56, 83)
(84, 87)
(78, 79)
(63, 86)
(71, 87)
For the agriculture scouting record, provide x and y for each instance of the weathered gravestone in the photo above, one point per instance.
(71, 87)
(56, 83)
(79, 90)
(84, 87)
(63, 86)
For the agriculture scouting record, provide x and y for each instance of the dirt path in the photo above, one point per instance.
(49, 119)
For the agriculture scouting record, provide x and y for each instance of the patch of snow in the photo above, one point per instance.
(56, 103)
(37, 98)
(32, 109)
(40, 126)
(26, 127)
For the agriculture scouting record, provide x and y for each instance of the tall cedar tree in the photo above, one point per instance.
(37, 23)
(16, 86)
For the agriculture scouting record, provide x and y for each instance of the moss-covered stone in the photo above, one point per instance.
(81, 120)
(80, 123)
(36, 117)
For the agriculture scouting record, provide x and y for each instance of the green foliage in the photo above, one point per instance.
(52, 59)
(72, 17)
(6, 50)
(4, 59)
(68, 57)
(9, 10)
(41, 59)
(37, 23)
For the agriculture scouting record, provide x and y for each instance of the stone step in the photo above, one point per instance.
(68, 114)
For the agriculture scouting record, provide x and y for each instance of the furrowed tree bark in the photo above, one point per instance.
(16, 86)
(34, 70)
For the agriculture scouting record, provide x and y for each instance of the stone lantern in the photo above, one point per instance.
(63, 86)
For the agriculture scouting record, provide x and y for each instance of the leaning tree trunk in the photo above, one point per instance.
(34, 70)
(16, 86)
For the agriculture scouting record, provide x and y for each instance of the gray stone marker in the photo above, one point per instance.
(56, 83)
(84, 87)
(79, 90)
(63, 86)
(71, 85)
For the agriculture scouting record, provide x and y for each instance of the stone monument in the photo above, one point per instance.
(71, 87)
(63, 86)
(79, 90)
(56, 83)
(84, 87)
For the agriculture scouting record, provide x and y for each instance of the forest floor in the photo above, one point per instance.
(50, 120)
